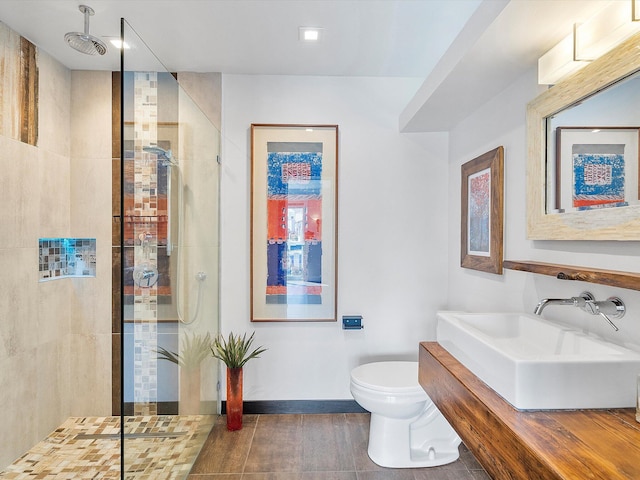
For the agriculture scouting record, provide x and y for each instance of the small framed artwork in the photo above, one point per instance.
(482, 212)
(596, 167)
(294, 219)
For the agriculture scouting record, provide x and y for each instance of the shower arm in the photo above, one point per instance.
(87, 11)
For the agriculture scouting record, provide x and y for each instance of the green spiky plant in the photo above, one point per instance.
(234, 351)
(195, 348)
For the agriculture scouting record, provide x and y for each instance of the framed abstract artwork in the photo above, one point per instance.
(294, 219)
(482, 205)
(596, 167)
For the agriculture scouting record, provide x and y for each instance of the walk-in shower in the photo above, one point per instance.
(108, 262)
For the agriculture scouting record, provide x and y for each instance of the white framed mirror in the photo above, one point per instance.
(561, 134)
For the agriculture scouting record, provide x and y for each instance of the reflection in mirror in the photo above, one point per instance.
(593, 152)
(564, 105)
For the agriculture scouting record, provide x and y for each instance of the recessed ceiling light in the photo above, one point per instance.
(309, 34)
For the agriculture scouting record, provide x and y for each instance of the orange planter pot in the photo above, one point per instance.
(234, 398)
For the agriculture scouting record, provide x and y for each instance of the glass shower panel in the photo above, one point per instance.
(170, 184)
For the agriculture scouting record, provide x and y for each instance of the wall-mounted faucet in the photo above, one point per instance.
(613, 307)
(573, 301)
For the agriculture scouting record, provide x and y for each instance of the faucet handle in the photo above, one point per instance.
(613, 325)
(612, 307)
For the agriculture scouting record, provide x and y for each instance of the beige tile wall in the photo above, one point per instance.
(90, 194)
(35, 317)
(54, 108)
(55, 337)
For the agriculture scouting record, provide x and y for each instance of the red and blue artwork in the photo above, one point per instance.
(479, 211)
(294, 223)
(598, 176)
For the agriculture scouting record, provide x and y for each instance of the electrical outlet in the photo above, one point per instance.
(352, 322)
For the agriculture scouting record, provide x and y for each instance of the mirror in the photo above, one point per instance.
(592, 151)
(583, 152)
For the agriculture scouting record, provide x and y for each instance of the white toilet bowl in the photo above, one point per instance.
(406, 430)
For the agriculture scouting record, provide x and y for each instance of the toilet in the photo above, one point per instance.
(406, 429)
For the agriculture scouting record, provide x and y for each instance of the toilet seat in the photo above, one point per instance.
(388, 377)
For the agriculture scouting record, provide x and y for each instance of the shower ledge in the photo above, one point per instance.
(520, 445)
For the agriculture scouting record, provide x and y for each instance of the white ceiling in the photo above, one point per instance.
(361, 37)
(466, 50)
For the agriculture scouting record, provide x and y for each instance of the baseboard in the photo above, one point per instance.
(271, 407)
(298, 406)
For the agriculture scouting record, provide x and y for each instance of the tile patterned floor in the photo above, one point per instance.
(70, 452)
(309, 447)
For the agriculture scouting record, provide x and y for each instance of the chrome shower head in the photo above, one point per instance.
(85, 42)
(161, 153)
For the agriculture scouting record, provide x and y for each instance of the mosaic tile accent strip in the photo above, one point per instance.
(145, 202)
(66, 257)
(67, 453)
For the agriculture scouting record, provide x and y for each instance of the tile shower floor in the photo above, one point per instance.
(161, 447)
(269, 447)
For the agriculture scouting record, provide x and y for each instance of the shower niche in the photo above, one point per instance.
(66, 257)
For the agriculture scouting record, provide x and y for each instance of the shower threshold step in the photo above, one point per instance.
(117, 436)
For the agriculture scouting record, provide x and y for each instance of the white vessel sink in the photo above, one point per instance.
(538, 365)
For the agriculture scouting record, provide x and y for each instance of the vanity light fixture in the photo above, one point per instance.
(559, 62)
(309, 34)
(603, 31)
(589, 40)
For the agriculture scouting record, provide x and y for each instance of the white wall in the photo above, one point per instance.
(501, 121)
(392, 230)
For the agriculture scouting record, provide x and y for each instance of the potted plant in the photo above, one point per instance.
(234, 352)
(194, 349)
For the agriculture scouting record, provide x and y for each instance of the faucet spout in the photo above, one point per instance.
(574, 301)
(613, 307)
